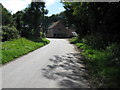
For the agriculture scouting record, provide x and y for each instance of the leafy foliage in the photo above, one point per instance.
(33, 17)
(6, 16)
(103, 65)
(91, 18)
(97, 41)
(18, 21)
(29, 22)
(8, 29)
(97, 25)
(9, 33)
(114, 59)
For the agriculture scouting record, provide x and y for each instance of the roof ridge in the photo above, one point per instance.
(53, 24)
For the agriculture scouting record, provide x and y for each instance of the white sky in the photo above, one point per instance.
(17, 5)
(50, 2)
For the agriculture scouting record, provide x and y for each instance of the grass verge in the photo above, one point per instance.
(18, 47)
(102, 72)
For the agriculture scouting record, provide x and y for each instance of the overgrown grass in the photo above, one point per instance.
(103, 73)
(18, 47)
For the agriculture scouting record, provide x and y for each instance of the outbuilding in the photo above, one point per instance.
(58, 30)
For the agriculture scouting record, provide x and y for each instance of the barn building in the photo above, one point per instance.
(58, 30)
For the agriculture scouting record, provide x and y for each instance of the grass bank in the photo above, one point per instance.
(18, 47)
(101, 64)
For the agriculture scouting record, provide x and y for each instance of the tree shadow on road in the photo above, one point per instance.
(69, 70)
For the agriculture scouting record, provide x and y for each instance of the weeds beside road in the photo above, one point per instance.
(19, 47)
(102, 64)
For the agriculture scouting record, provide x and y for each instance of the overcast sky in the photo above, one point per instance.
(54, 6)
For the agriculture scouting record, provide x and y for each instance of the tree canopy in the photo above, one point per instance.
(91, 17)
(30, 20)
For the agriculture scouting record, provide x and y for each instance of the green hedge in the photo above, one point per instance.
(9, 33)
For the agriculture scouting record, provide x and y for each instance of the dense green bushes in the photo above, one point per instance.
(93, 18)
(98, 40)
(114, 59)
(8, 30)
(9, 33)
(6, 15)
(97, 26)
(103, 65)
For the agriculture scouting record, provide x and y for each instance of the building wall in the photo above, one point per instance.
(59, 31)
(50, 33)
(69, 32)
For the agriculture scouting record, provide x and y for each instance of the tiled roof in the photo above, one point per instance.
(53, 24)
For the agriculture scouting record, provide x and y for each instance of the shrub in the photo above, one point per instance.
(114, 59)
(103, 65)
(9, 32)
(42, 34)
(74, 40)
(97, 41)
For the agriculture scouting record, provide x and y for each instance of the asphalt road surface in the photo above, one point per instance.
(56, 65)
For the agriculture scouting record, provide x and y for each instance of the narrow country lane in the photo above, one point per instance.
(56, 65)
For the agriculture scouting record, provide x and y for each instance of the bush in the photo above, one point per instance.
(42, 35)
(74, 40)
(9, 33)
(114, 59)
(97, 41)
(103, 65)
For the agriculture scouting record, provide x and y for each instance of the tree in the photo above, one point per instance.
(33, 17)
(18, 20)
(6, 16)
(8, 30)
(89, 17)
